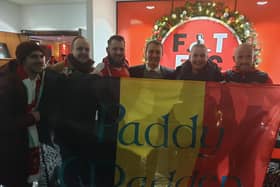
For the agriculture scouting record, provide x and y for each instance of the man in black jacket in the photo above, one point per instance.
(198, 67)
(245, 70)
(152, 67)
(27, 101)
(87, 129)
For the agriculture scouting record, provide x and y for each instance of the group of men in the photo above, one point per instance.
(32, 95)
(198, 67)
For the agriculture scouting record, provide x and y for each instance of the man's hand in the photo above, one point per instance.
(36, 115)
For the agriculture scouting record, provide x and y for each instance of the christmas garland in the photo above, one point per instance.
(238, 22)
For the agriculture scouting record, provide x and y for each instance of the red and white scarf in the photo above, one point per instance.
(110, 71)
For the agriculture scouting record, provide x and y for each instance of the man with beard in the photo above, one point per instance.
(115, 64)
(77, 60)
(152, 67)
(245, 70)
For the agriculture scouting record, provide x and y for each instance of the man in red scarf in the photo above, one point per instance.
(115, 64)
(21, 85)
(245, 70)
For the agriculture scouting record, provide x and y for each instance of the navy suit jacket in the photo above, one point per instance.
(138, 71)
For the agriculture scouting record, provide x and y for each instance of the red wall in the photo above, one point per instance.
(135, 23)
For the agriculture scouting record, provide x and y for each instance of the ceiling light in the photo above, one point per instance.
(262, 3)
(150, 7)
(136, 22)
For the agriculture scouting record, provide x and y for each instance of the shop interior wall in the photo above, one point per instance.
(12, 40)
(135, 23)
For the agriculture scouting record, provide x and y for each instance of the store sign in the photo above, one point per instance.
(219, 38)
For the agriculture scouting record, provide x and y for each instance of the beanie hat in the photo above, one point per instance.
(26, 48)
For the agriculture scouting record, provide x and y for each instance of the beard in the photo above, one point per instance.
(115, 63)
(36, 68)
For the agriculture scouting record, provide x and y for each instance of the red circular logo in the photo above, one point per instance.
(219, 38)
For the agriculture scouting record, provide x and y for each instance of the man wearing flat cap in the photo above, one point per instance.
(24, 87)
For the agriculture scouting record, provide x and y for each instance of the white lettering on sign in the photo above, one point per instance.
(220, 38)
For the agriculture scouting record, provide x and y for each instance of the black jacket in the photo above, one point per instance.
(15, 119)
(248, 77)
(13, 136)
(138, 71)
(50, 104)
(210, 72)
(77, 114)
(86, 96)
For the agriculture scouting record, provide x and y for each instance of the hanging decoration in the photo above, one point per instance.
(238, 22)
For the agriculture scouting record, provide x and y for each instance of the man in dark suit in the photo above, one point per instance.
(152, 68)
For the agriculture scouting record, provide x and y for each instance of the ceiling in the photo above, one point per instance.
(64, 39)
(272, 3)
(28, 2)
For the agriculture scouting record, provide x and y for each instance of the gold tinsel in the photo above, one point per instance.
(238, 22)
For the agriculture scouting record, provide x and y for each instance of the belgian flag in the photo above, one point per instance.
(143, 132)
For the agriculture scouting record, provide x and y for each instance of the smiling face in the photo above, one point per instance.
(198, 57)
(80, 50)
(116, 51)
(34, 62)
(153, 54)
(244, 57)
